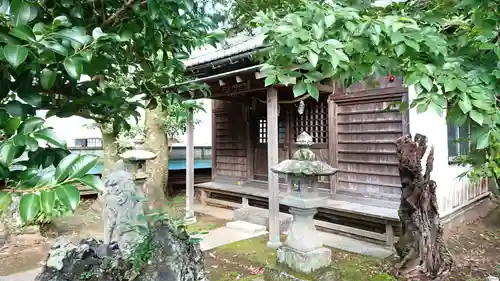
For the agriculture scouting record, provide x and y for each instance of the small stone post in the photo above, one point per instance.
(303, 250)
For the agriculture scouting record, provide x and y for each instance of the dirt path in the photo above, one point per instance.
(27, 251)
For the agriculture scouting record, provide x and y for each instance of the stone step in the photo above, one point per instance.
(260, 216)
(246, 227)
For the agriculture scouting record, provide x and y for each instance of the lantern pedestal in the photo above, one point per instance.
(303, 250)
(304, 262)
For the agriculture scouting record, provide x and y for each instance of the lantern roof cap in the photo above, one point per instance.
(304, 161)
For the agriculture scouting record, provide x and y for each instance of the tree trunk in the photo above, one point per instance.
(110, 150)
(110, 157)
(157, 169)
(423, 253)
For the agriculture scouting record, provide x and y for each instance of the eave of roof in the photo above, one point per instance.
(232, 46)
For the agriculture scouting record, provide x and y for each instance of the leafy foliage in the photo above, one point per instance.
(57, 55)
(85, 58)
(448, 51)
(37, 166)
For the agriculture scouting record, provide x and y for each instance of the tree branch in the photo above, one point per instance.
(114, 17)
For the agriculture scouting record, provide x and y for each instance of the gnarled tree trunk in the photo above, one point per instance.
(423, 253)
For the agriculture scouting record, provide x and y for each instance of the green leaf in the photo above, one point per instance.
(5, 200)
(69, 195)
(438, 99)
(334, 43)
(396, 38)
(397, 26)
(47, 78)
(15, 54)
(11, 125)
(7, 153)
(48, 135)
(318, 31)
(487, 46)
(426, 82)
(430, 68)
(29, 206)
(16, 108)
(74, 67)
(412, 78)
(351, 26)
(295, 20)
(21, 12)
(30, 97)
(477, 117)
(60, 21)
(329, 20)
(450, 85)
(31, 124)
(97, 33)
(299, 89)
(413, 44)
(48, 200)
(93, 182)
(58, 48)
(341, 55)
(483, 140)
(270, 80)
(465, 104)
(422, 107)
(23, 32)
(82, 165)
(313, 91)
(400, 49)
(4, 6)
(334, 60)
(64, 168)
(153, 8)
(76, 34)
(313, 58)
(481, 103)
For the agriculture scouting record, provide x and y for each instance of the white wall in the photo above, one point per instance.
(75, 127)
(452, 192)
(202, 131)
(71, 128)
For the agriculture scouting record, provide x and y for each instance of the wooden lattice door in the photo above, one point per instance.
(260, 148)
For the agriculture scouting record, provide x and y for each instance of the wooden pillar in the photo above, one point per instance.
(190, 217)
(273, 179)
(332, 141)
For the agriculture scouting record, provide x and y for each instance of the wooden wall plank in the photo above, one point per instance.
(365, 150)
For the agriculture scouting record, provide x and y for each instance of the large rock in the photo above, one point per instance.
(173, 257)
(89, 260)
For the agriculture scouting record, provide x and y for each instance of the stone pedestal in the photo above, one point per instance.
(304, 262)
(303, 250)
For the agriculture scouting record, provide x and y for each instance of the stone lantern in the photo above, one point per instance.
(135, 160)
(303, 250)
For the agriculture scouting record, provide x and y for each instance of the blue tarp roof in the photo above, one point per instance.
(173, 165)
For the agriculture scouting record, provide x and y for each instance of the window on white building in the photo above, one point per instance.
(458, 140)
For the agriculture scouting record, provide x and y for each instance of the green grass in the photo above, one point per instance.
(353, 267)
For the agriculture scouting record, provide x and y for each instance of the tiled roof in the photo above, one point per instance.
(232, 46)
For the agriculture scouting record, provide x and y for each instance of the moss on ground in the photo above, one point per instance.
(353, 267)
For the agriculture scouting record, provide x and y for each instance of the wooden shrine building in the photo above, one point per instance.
(255, 127)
